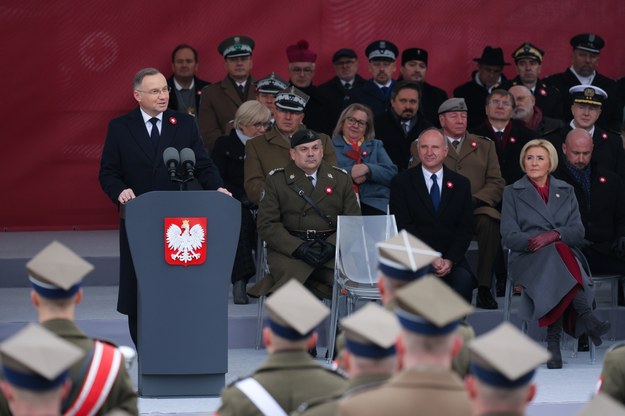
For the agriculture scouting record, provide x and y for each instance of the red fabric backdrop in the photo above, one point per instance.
(68, 67)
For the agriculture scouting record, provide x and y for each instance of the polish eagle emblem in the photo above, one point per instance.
(185, 244)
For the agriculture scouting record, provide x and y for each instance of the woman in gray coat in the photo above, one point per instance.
(541, 225)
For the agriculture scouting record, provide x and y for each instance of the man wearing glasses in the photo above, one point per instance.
(221, 100)
(132, 164)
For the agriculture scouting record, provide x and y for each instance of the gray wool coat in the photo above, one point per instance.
(542, 273)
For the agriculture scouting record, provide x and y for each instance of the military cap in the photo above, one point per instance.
(405, 257)
(371, 332)
(37, 359)
(588, 42)
(294, 312)
(344, 53)
(430, 307)
(234, 46)
(56, 272)
(382, 50)
(491, 56)
(603, 404)
(291, 99)
(528, 51)
(588, 94)
(414, 54)
(491, 352)
(300, 52)
(271, 84)
(452, 104)
(303, 137)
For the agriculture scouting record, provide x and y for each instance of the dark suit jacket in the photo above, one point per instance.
(333, 95)
(475, 96)
(129, 160)
(229, 155)
(431, 98)
(173, 97)
(548, 97)
(396, 140)
(317, 113)
(448, 230)
(370, 95)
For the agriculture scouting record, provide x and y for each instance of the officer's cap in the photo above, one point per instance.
(371, 332)
(303, 137)
(234, 46)
(430, 307)
(271, 84)
(451, 105)
(602, 404)
(344, 53)
(294, 312)
(37, 359)
(528, 51)
(291, 99)
(56, 271)
(588, 94)
(414, 54)
(405, 257)
(588, 42)
(491, 357)
(382, 50)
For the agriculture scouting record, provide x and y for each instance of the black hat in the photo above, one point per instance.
(344, 53)
(271, 84)
(528, 51)
(491, 56)
(382, 50)
(414, 54)
(303, 137)
(588, 42)
(236, 46)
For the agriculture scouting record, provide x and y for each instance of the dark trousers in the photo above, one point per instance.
(488, 243)
(461, 280)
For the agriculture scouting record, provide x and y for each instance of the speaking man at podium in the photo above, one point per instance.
(132, 164)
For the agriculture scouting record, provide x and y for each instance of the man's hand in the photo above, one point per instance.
(224, 191)
(542, 240)
(126, 195)
(442, 266)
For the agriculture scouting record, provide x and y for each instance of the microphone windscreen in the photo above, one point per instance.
(171, 154)
(187, 155)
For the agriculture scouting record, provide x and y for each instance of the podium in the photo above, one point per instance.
(182, 309)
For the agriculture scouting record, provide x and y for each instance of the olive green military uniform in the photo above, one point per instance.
(282, 210)
(270, 151)
(613, 374)
(290, 377)
(328, 405)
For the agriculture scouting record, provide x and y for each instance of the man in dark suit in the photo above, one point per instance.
(583, 70)
(414, 67)
(433, 203)
(401, 123)
(186, 88)
(132, 164)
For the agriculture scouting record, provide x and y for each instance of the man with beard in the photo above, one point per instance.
(527, 112)
(401, 123)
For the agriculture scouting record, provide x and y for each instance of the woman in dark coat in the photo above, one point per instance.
(541, 225)
(251, 120)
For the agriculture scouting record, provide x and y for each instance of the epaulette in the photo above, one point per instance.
(106, 341)
(272, 171)
(316, 402)
(336, 371)
(483, 137)
(341, 170)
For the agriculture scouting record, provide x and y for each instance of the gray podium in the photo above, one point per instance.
(182, 310)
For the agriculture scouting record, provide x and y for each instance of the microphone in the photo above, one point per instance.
(171, 157)
(188, 160)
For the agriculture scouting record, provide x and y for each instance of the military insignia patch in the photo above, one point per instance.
(185, 240)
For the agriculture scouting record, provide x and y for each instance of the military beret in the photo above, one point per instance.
(491, 56)
(344, 53)
(382, 50)
(303, 137)
(528, 51)
(291, 99)
(414, 54)
(236, 46)
(588, 42)
(300, 52)
(588, 94)
(405, 257)
(271, 84)
(451, 105)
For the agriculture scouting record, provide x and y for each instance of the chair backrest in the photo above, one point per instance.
(356, 254)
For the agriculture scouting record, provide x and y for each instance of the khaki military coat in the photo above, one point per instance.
(271, 151)
(219, 103)
(476, 160)
(282, 210)
(290, 377)
(613, 374)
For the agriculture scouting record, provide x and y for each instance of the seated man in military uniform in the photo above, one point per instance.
(297, 218)
(289, 376)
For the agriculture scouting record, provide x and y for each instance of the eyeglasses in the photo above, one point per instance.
(306, 70)
(156, 91)
(355, 122)
(499, 102)
(261, 125)
(345, 63)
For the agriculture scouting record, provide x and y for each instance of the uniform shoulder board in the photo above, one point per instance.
(316, 402)
(272, 171)
(340, 170)
(106, 341)
(488, 139)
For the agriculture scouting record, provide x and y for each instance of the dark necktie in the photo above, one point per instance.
(242, 90)
(347, 86)
(499, 135)
(154, 135)
(312, 180)
(435, 192)
(455, 144)
(384, 91)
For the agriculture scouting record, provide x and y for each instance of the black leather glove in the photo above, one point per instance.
(326, 253)
(315, 253)
(618, 247)
(476, 202)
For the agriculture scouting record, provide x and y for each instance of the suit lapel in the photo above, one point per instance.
(230, 91)
(168, 132)
(421, 190)
(140, 134)
(447, 190)
(326, 182)
(530, 196)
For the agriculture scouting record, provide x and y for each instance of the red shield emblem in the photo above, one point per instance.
(185, 241)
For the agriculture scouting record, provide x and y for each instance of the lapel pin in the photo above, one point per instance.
(604, 135)
(328, 190)
(330, 176)
(173, 120)
(602, 179)
(365, 153)
(557, 195)
(543, 92)
(450, 185)
(512, 140)
(474, 145)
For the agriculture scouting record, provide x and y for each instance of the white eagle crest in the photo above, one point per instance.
(184, 241)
